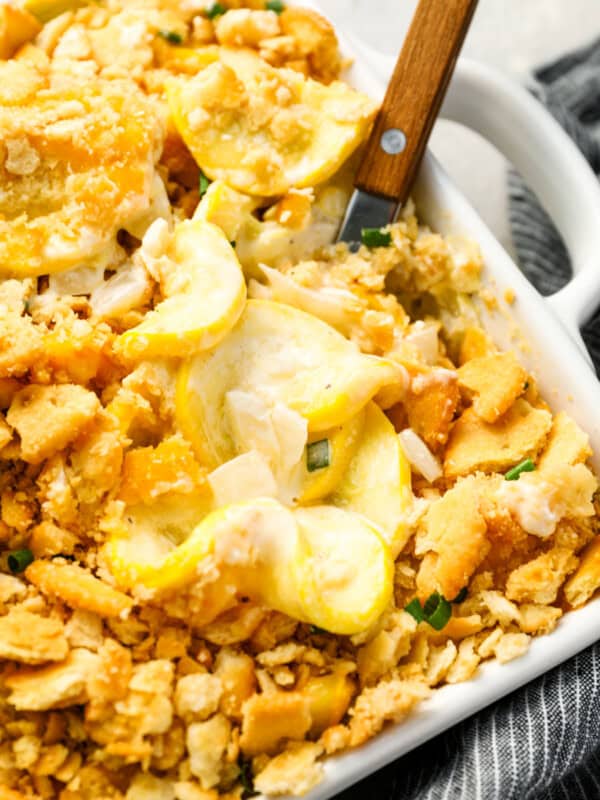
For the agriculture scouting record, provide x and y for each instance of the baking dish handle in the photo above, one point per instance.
(507, 115)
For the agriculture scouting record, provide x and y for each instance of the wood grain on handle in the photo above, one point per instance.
(415, 95)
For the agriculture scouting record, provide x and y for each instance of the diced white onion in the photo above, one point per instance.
(243, 478)
(424, 336)
(160, 208)
(127, 289)
(419, 455)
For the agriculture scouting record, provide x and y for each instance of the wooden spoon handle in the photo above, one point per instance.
(414, 96)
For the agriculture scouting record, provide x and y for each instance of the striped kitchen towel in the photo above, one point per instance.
(543, 741)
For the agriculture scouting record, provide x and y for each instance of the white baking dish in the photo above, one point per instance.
(544, 332)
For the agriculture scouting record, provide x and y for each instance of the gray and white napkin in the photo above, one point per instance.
(543, 741)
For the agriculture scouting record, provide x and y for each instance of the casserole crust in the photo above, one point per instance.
(261, 481)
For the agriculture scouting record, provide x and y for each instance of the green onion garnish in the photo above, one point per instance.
(375, 237)
(204, 184)
(275, 5)
(245, 777)
(19, 560)
(233, 244)
(460, 596)
(435, 612)
(526, 386)
(318, 455)
(415, 610)
(525, 466)
(172, 37)
(216, 10)
(316, 631)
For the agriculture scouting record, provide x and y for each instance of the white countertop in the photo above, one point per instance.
(513, 35)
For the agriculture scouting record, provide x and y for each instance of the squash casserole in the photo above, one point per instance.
(259, 495)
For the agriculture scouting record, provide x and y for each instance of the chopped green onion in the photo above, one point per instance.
(526, 386)
(438, 611)
(415, 610)
(460, 596)
(216, 10)
(318, 455)
(233, 244)
(275, 5)
(19, 560)
(375, 237)
(171, 36)
(435, 612)
(204, 184)
(316, 631)
(525, 466)
(246, 779)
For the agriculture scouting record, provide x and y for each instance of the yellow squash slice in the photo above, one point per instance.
(282, 355)
(263, 130)
(343, 443)
(321, 565)
(204, 292)
(78, 167)
(377, 482)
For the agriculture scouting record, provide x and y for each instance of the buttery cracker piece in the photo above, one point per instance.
(477, 445)
(11, 587)
(84, 629)
(295, 771)
(78, 588)
(243, 27)
(487, 646)
(206, 743)
(269, 718)
(383, 652)
(454, 541)
(494, 382)
(11, 794)
(389, 701)
(586, 580)
(501, 609)
(236, 673)
(431, 405)
(539, 580)
(316, 41)
(31, 639)
(457, 628)
(335, 739)
(5, 432)
(49, 540)
(17, 26)
(197, 696)
(48, 418)
(466, 662)
(567, 444)
(475, 344)
(55, 686)
(511, 645)
(233, 626)
(439, 662)
(538, 619)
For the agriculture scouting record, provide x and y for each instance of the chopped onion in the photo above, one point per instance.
(424, 336)
(419, 455)
(128, 288)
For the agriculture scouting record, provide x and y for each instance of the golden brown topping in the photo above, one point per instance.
(48, 418)
(496, 381)
(454, 542)
(478, 445)
(31, 639)
(78, 588)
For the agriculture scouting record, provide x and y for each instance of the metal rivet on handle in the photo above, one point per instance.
(393, 141)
